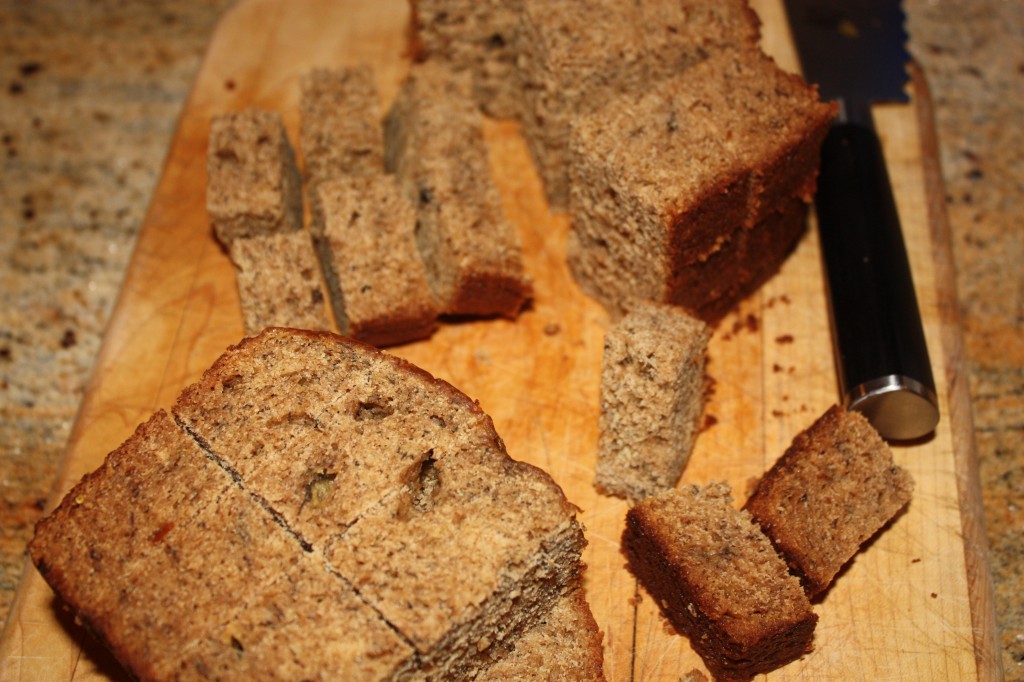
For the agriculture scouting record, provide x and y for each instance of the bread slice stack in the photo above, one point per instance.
(314, 508)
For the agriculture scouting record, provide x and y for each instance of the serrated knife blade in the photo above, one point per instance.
(855, 51)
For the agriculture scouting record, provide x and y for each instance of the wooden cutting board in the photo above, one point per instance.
(914, 605)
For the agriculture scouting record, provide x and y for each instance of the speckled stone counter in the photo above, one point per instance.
(89, 96)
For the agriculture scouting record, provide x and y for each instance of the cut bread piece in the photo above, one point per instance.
(233, 541)
(183, 575)
(737, 141)
(279, 282)
(717, 578)
(576, 56)
(434, 144)
(340, 131)
(478, 36)
(367, 247)
(253, 185)
(652, 399)
(833, 489)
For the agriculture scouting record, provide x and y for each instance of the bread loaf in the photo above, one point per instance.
(737, 143)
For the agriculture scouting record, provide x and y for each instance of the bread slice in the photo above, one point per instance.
(183, 575)
(340, 131)
(737, 143)
(478, 36)
(367, 246)
(279, 282)
(652, 399)
(315, 510)
(253, 184)
(434, 143)
(576, 56)
(834, 487)
(717, 578)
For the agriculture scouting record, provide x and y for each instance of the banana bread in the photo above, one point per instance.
(315, 509)
(253, 185)
(478, 36)
(279, 282)
(652, 399)
(576, 56)
(833, 488)
(340, 131)
(434, 143)
(738, 142)
(367, 247)
(717, 578)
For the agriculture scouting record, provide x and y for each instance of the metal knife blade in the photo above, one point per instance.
(855, 50)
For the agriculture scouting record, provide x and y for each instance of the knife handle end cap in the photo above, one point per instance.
(900, 408)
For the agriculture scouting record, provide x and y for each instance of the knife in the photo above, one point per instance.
(855, 51)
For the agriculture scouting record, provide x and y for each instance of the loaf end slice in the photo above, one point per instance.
(834, 488)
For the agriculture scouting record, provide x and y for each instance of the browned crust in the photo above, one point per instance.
(392, 330)
(712, 290)
(486, 293)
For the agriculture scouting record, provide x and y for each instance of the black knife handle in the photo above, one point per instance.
(881, 354)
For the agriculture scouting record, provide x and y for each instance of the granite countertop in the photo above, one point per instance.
(89, 96)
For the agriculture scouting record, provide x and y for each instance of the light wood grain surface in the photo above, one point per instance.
(911, 606)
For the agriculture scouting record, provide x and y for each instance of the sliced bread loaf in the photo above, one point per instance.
(834, 487)
(315, 510)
